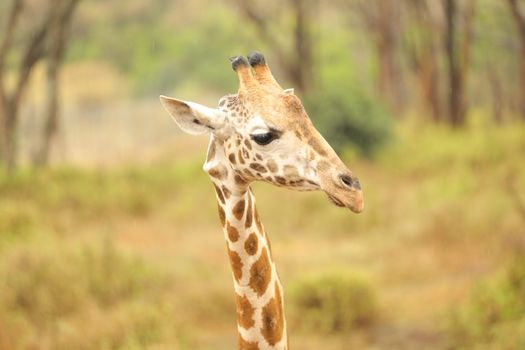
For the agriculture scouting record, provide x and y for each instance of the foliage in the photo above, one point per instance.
(56, 286)
(494, 315)
(170, 53)
(334, 302)
(348, 116)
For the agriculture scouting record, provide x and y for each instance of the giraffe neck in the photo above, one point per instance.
(259, 298)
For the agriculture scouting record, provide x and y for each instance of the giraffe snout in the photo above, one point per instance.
(344, 190)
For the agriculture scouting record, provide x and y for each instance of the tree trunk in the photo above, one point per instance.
(6, 108)
(425, 53)
(429, 75)
(386, 43)
(9, 144)
(497, 94)
(458, 56)
(51, 125)
(301, 68)
(455, 83)
(519, 19)
(57, 42)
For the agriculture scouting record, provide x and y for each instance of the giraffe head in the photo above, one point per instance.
(263, 133)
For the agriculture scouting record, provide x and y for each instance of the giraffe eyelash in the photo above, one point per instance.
(265, 138)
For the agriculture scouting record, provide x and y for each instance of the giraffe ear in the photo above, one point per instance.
(192, 117)
(289, 91)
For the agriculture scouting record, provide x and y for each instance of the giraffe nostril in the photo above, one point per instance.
(350, 183)
(347, 180)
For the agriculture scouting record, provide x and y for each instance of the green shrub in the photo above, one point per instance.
(335, 302)
(494, 315)
(347, 116)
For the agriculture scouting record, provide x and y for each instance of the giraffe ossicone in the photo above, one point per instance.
(261, 133)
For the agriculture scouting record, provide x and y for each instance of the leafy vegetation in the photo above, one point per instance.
(348, 116)
(334, 302)
(494, 315)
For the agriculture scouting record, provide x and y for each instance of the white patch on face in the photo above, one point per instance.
(257, 126)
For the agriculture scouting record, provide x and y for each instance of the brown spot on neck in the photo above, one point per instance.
(245, 312)
(233, 234)
(236, 264)
(249, 212)
(219, 194)
(251, 244)
(261, 273)
(238, 209)
(273, 318)
(239, 180)
(227, 193)
(260, 227)
(222, 214)
(219, 172)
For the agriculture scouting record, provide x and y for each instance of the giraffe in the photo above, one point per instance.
(261, 133)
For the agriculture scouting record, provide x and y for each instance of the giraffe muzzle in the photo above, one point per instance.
(344, 190)
(354, 195)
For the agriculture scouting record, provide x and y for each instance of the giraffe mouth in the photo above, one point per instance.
(335, 200)
(353, 201)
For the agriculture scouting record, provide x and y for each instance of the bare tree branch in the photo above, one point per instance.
(297, 63)
(261, 25)
(7, 39)
(59, 12)
(57, 43)
(34, 51)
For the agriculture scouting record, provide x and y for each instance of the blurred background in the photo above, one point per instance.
(100, 245)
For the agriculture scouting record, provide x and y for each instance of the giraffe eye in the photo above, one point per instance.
(264, 139)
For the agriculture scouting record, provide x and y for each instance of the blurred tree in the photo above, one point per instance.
(458, 44)
(61, 14)
(519, 19)
(30, 55)
(297, 61)
(349, 116)
(381, 19)
(9, 103)
(496, 90)
(423, 50)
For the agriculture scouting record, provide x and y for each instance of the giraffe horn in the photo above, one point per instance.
(262, 71)
(241, 66)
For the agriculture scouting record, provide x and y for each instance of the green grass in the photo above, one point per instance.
(133, 257)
